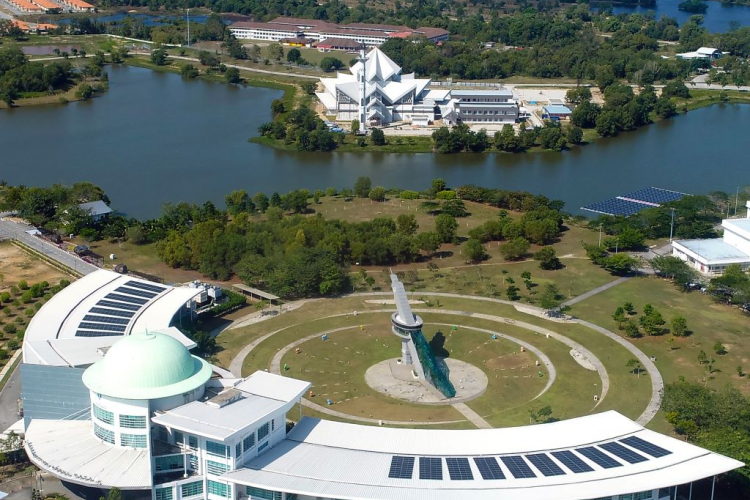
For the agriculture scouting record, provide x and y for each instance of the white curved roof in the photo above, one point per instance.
(102, 305)
(347, 461)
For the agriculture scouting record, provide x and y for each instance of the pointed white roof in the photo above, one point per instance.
(380, 66)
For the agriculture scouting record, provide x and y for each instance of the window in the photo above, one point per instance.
(263, 447)
(133, 440)
(238, 450)
(192, 489)
(263, 431)
(193, 462)
(273, 425)
(133, 421)
(248, 442)
(163, 493)
(218, 489)
(192, 442)
(216, 468)
(179, 437)
(169, 462)
(104, 434)
(216, 449)
(262, 494)
(104, 416)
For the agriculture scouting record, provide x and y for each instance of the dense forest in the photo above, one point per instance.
(18, 75)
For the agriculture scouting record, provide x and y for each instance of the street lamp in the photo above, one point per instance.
(600, 235)
(188, 21)
(671, 226)
(736, 199)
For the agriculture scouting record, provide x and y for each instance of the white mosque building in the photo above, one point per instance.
(135, 410)
(376, 93)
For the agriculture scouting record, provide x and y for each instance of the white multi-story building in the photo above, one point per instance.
(376, 93)
(138, 412)
(712, 256)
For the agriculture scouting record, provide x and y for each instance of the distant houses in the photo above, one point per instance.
(98, 210)
(702, 53)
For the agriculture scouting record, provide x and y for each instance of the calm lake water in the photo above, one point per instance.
(717, 18)
(155, 138)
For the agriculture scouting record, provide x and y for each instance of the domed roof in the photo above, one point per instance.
(147, 366)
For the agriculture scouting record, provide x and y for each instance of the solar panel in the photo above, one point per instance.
(459, 469)
(645, 447)
(105, 319)
(571, 461)
(401, 467)
(146, 286)
(599, 457)
(654, 195)
(616, 206)
(80, 333)
(118, 305)
(545, 465)
(102, 326)
(626, 454)
(112, 312)
(430, 468)
(136, 292)
(125, 298)
(518, 467)
(489, 468)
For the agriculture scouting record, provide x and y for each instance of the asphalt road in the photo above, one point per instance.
(11, 230)
(9, 401)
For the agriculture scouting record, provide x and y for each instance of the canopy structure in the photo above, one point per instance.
(254, 292)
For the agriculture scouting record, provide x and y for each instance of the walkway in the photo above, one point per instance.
(595, 291)
(472, 416)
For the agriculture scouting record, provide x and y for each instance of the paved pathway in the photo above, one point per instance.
(595, 291)
(10, 395)
(472, 416)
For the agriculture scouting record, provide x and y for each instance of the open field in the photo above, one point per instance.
(17, 265)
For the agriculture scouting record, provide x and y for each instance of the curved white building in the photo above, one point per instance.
(147, 416)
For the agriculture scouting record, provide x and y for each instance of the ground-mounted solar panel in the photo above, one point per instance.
(545, 465)
(459, 469)
(572, 461)
(489, 468)
(401, 467)
(104, 319)
(645, 447)
(91, 333)
(118, 305)
(626, 454)
(146, 286)
(599, 457)
(126, 298)
(112, 312)
(102, 327)
(136, 292)
(431, 468)
(518, 467)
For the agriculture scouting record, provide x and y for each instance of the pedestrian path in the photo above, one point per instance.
(472, 416)
(595, 291)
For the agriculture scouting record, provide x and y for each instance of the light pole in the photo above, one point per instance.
(671, 227)
(600, 235)
(188, 21)
(736, 199)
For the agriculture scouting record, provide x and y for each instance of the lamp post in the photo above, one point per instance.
(736, 199)
(671, 227)
(188, 21)
(600, 235)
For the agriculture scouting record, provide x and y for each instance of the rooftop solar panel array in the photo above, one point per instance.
(489, 468)
(146, 286)
(102, 327)
(401, 467)
(518, 467)
(82, 333)
(112, 312)
(599, 457)
(430, 468)
(104, 319)
(118, 305)
(459, 469)
(126, 298)
(572, 461)
(626, 454)
(545, 465)
(645, 447)
(136, 292)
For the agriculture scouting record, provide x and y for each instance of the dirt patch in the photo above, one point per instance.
(511, 362)
(17, 265)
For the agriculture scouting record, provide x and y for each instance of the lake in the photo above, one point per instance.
(717, 18)
(154, 138)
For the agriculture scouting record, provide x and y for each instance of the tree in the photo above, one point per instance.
(277, 107)
(189, 71)
(702, 357)
(84, 91)
(604, 77)
(355, 126)
(378, 137)
(474, 251)
(664, 108)
(585, 115)
(512, 292)
(719, 348)
(407, 224)
(679, 326)
(261, 202)
(608, 123)
(631, 329)
(578, 95)
(329, 64)
(159, 56)
(628, 306)
(574, 135)
(619, 317)
(541, 416)
(515, 249)
(446, 227)
(620, 264)
(294, 56)
(550, 298)
(635, 366)
(276, 51)
(233, 76)
(377, 193)
(547, 258)
(429, 241)
(652, 321)
(362, 187)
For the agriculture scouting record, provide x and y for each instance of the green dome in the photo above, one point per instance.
(147, 366)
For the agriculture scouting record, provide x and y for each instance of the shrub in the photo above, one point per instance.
(377, 193)
(10, 328)
(4, 297)
(515, 249)
(474, 250)
(12, 344)
(408, 195)
(23, 285)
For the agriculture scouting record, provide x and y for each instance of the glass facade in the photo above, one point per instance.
(192, 489)
(133, 440)
(263, 431)
(216, 449)
(103, 415)
(169, 462)
(104, 434)
(262, 494)
(216, 468)
(238, 450)
(217, 488)
(179, 437)
(133, 421)
(164, 493)
(248, 442)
